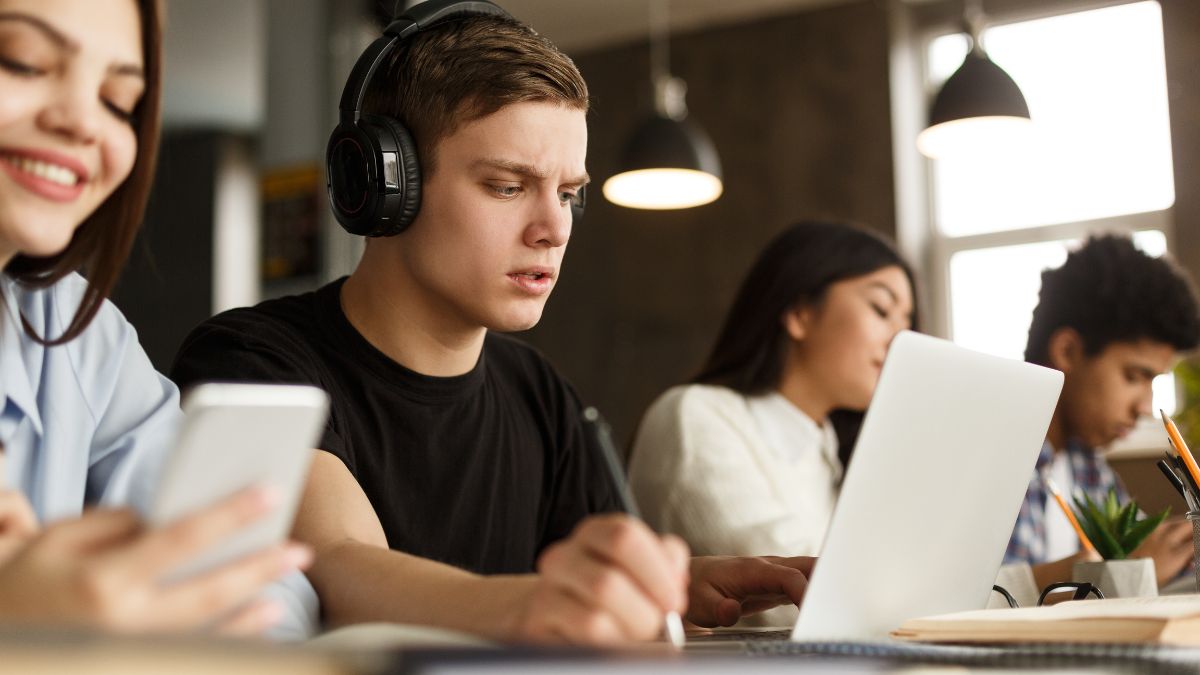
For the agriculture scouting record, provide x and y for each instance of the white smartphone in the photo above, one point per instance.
(236, 436)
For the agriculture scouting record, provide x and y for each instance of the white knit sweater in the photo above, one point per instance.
(735, 475)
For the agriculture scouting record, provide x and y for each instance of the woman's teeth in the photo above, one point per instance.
(45, 170)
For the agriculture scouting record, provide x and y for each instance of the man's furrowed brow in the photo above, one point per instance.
(512, 167)
(526, 170)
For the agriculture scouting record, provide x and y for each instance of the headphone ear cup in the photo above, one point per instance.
(405, 203)
(350, 176)
(374, 180)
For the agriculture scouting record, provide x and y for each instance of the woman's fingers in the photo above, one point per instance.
(218, 591)
(159, 551)
(250, 620)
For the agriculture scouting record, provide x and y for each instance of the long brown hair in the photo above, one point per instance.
(101, 244)
(796, 267)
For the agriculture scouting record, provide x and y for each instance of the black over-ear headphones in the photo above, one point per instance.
(371, 166)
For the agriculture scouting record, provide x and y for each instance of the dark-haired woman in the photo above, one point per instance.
(84, 418)
(744, 460)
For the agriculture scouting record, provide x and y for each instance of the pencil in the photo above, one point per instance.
(673, 623)
(1083, 539)
(1180, 447)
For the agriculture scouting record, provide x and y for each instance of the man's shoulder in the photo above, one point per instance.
(276, 340)
(278, 321)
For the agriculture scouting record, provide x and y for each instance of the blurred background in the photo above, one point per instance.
(813, 107)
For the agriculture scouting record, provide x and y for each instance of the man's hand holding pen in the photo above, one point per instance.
(611, 582)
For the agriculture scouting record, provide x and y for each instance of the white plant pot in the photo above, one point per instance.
(1132, 578)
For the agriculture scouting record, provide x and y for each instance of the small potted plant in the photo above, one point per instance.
(1116, 531)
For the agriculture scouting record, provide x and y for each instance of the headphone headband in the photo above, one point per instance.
(419, 17)
(371, 167)
(426, 14)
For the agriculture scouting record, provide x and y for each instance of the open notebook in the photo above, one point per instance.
(1171, 620)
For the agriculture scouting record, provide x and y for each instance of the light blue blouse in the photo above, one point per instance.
(91, 422)
(84, 423)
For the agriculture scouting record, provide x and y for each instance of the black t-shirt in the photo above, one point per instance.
(481, 471)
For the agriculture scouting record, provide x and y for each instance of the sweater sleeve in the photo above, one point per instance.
(700, 469)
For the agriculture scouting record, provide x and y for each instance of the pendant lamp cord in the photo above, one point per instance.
(660, 48)
(973, 21)
(669, 92)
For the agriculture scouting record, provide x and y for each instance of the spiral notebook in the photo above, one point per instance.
(1111, 658)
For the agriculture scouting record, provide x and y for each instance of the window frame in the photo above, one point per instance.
(913, 28)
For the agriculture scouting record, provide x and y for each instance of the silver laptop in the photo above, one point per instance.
(929, 501)
(930, 498)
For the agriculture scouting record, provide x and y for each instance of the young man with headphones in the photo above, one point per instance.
(455, 464)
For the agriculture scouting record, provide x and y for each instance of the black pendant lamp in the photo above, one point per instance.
(669, 163)
(979, 106)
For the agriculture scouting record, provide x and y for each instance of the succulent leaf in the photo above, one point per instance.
(1114, 530)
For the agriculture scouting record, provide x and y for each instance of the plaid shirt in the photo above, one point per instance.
(1091, 474)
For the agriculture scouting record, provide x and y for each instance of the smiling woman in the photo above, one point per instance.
(84, 418)
(79, 124)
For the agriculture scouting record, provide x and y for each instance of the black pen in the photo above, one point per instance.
(1191, 493)
(603, 435)
(1175, 482)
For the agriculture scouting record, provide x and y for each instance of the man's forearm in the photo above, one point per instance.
(358, 582)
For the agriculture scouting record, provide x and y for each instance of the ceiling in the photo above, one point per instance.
(580, 25)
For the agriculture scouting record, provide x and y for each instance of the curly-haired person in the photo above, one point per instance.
(1110, 318)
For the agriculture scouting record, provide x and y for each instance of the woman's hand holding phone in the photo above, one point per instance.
(104, 570)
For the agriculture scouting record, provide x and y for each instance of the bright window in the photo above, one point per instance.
(994, 318)
(1097, 91)
(1100, 161)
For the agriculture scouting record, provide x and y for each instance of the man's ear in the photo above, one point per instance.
(1065, 349)
(796, 320)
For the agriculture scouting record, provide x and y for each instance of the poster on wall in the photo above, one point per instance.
(291, 225)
